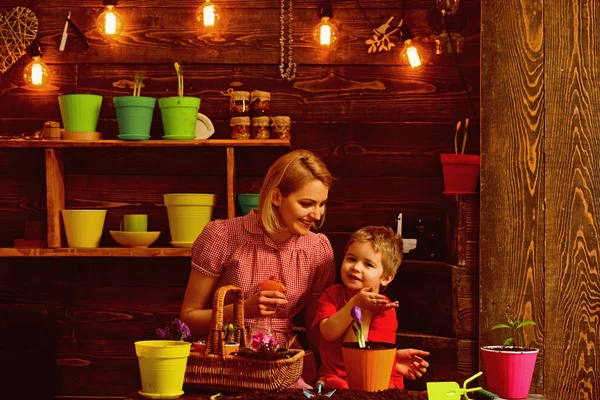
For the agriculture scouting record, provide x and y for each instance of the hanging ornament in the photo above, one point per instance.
(288, 72)
(381, 38)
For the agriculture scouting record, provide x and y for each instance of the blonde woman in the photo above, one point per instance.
(276, 242)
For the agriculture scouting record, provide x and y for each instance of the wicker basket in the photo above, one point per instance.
(231, 373)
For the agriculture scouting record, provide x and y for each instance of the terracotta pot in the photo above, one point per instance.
(370, 368)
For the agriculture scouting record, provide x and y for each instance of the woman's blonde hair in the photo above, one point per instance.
(385, 241)
(289, 174)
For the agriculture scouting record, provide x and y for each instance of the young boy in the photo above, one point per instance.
(371, 258)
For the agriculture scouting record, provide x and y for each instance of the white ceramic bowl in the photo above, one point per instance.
(134, 239)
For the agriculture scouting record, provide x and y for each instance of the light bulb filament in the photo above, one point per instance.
(110, 23)
(209, 15)
(325, 35)
(413, 55)
(36, 74)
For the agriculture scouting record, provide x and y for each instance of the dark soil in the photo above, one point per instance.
(390, 394)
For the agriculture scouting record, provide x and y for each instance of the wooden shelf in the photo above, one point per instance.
(98, 252)
(54, 153)
(55, 144)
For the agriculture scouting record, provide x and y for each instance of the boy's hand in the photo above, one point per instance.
(410, 364)
(374, 302)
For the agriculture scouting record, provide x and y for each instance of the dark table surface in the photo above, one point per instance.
(189, 395)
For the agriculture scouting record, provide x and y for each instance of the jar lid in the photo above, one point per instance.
(282, 120)
(239, 121)
(257, 94)
(260, 121)
(241, 95)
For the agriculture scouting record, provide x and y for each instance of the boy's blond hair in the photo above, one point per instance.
(288, 174)
(385, 241)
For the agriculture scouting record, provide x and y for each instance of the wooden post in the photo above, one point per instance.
(55, 194)
(230, 182)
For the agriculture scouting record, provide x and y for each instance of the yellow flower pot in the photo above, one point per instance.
(188, 215)
(162, 367)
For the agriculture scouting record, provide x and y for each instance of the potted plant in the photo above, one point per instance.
(163, 362)
(460, 170)
(509, 368)
(179, 113)
(368, 364)
(134, 113)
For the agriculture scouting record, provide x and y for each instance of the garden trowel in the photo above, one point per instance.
(310, 394)
(450, 390)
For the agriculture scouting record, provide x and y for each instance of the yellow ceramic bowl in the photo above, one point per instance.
(134, 239)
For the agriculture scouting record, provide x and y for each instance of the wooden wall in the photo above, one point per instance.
(539, 197)
(378, 124)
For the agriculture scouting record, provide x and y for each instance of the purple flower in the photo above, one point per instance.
(357, 326)
(356, 315)
(176, 330)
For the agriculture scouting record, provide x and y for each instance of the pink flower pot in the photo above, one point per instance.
(508, 373)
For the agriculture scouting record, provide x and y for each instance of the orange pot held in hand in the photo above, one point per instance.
(272, 284)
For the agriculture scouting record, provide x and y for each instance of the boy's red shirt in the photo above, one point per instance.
(382, 329)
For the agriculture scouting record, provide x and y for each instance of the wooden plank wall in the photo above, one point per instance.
(539, 198)
(378, 124)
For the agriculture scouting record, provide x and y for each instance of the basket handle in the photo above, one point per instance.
(216, 336)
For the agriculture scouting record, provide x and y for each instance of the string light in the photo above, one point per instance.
(36, 74)
(325, 33)
(110, 23)
(410, 51)
(209, 15)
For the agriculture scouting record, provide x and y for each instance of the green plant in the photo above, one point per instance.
(514, 325)
(137, 84)
(179, 70)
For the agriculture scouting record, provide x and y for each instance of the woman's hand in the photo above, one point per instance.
(263, 303)
(410, 364)
(375, 302)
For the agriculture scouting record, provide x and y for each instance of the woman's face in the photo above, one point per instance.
(301, 209)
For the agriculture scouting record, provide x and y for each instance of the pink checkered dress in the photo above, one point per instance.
(238, 252)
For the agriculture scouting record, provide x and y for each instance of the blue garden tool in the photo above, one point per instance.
(310, 394)
(450, 390)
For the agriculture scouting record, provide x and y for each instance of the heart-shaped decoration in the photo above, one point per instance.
(18, 28)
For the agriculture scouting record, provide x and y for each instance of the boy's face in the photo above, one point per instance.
(363, 268)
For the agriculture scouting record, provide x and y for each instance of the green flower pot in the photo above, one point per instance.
(134, 116)
(179, 115)
(80, 112)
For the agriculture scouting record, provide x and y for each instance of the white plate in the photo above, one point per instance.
(204, 127)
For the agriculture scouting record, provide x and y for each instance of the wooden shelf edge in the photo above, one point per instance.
(23, 143)
(97, 252)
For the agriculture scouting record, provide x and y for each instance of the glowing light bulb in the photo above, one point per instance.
(411, 53)
(209, 15)
(110, 22)
(448, 6)
(36, 73)
(325, 33)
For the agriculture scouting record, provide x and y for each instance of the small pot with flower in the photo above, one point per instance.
(460, 170)
(368, 364)
(134, 113)
(179, 113)
(163, 362)
(508, 369)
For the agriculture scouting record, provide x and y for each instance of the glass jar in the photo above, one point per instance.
(260, 128)
(239, 103)
(260, 103)
(281, 127)
(240, 127)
